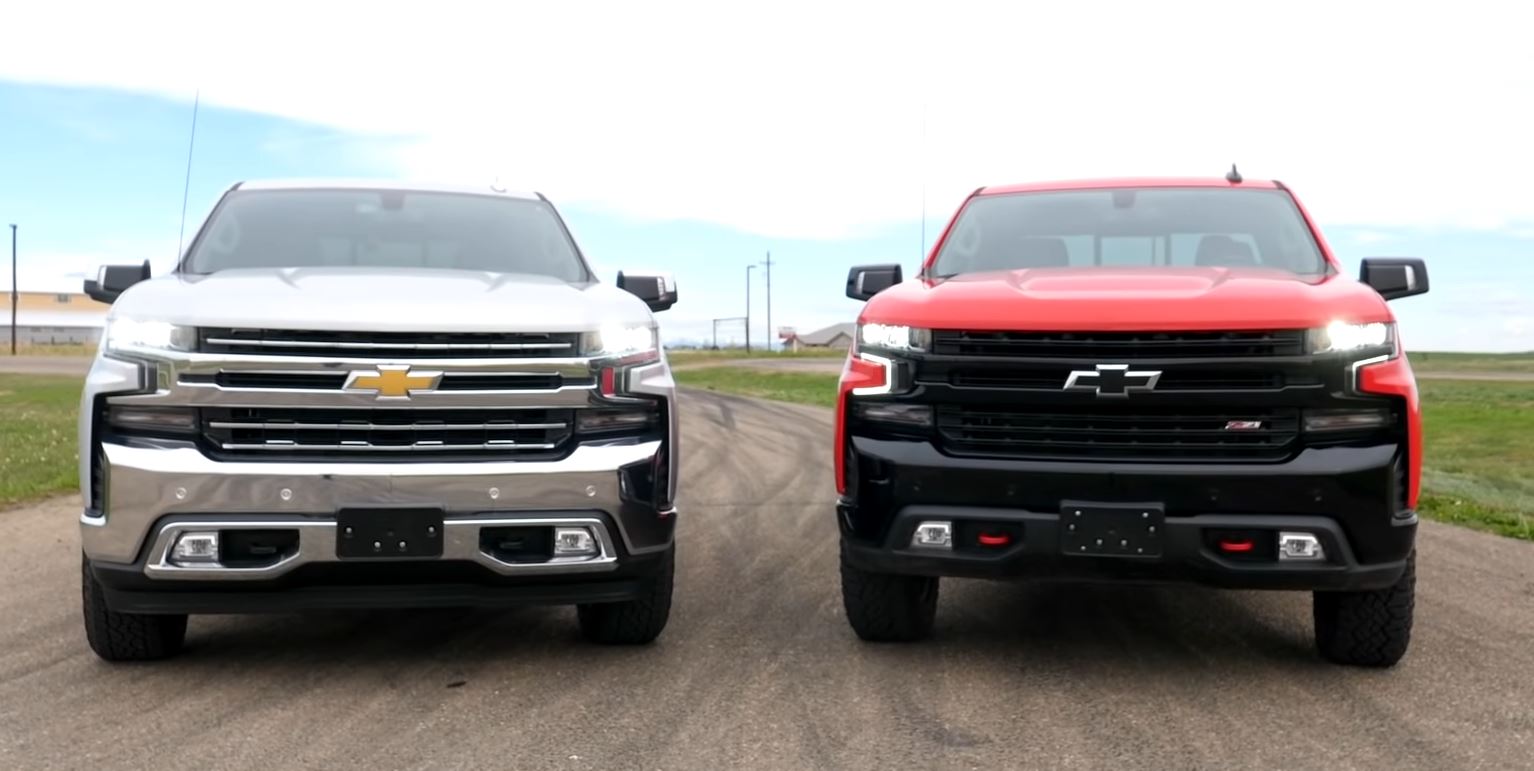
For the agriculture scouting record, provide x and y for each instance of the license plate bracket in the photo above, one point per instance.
(388, 533)
(1112, 529)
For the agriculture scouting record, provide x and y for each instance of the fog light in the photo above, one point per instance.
(1300, 547)
(195, 549)
(895, 412)
(174, 419)
(933, 535)
(1346, 420)
(574, 542)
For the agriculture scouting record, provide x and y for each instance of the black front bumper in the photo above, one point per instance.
(1345, 496)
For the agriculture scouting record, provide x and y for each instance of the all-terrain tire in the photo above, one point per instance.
(884, 607)
(126, 636)
(1370, 628)
(632, 622)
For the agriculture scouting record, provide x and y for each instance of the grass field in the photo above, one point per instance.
(1435, 361)
(1479, 439)
(37, 436)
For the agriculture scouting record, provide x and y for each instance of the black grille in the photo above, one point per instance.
(1131, 433)
(272, 433)
(415, 345)
(1119, 346)
(1053, 379)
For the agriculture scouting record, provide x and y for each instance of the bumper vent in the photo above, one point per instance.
(415, 345)
(1120, 346)
(272, 433)
(1095, 433)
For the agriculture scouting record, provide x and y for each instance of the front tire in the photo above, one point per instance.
(1370, 628)
(632, 622)
(126, 636)
(884, 607)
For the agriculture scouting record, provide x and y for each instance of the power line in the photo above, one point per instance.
(186, 187)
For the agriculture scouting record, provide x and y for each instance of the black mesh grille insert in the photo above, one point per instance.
(1131, 432)
(1117, 346)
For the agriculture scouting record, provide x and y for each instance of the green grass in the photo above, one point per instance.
(799, 387)
(1478, 436)
(37, 436)
(691, 355)
(1435, 361)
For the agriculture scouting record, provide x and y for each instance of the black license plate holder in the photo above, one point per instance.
(1112, 529)
(388, 533)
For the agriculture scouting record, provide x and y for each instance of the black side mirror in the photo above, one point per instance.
(658, 290)
(865, 281)
(1394, 277)
(112, 280)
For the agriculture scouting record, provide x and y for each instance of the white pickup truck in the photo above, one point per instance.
(356, 394)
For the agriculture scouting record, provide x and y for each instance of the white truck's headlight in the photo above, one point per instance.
(142, 334)
(622, 341)
(894, 337)
(1342, 336)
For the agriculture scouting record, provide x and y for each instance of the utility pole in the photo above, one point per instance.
(748, 307)
(770, 332)
(14, 289)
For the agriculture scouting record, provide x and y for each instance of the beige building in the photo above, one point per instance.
(52, 318)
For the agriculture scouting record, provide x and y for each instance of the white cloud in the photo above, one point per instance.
(805, 119)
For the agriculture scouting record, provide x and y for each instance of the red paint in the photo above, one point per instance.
(1236, 547)
(609, 381)
(999, 539)
(1395, 378)
(1127, 299)
(856, 373)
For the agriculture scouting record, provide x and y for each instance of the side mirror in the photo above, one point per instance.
(658, 290)
(112, 280)
(865, 281)
(1394, 277)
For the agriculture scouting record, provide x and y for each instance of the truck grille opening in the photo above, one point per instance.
(334, 381)
(1131, 433)
(288, 433)
(1052, 378)
(1120, 346)
(414, 345)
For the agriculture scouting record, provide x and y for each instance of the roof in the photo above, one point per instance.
(365, 183)
(825, 336)
(1121, 182)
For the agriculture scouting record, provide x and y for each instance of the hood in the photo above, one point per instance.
(380, 300)
(1127, 299)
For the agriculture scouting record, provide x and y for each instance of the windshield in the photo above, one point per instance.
(385, 228)
(1131, 227)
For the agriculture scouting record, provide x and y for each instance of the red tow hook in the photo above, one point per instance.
(994, 539)
(1237, 547)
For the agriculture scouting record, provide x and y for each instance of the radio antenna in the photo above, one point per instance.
(186, 186)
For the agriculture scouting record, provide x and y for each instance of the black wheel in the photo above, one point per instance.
(126, 636)
(1367, 629)
(883, 607)
(633, 622)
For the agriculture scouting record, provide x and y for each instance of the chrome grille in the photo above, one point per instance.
(312, 433)
(334, 381)
(416, 345)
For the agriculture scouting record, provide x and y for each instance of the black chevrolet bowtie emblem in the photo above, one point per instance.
(1112, 380)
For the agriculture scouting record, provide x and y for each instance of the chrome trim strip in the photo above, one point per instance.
(271, 343)
(287, 445)
(385, 426)
(317, 543)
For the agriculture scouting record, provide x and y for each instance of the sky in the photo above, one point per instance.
(696, 137)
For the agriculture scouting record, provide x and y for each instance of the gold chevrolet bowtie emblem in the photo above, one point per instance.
(393, 381)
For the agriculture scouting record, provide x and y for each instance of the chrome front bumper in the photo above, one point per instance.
(151, 493)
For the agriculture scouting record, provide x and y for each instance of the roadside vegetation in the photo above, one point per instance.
(1479, 440)
(1435, 362)
(37, 436)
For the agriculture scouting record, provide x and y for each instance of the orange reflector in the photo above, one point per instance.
(1236, 546)
(998, 539)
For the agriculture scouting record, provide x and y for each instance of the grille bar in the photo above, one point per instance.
(286, 426)
(1120, 345)
(1053, 379)
(1096, 433)
(290, 342)
(313, 432)
(291, 446)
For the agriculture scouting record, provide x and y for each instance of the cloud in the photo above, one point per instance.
(798, 119)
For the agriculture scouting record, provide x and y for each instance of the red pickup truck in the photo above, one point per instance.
(1146, 380)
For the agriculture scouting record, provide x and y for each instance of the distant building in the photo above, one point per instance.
(52, 318)
(835, 336)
